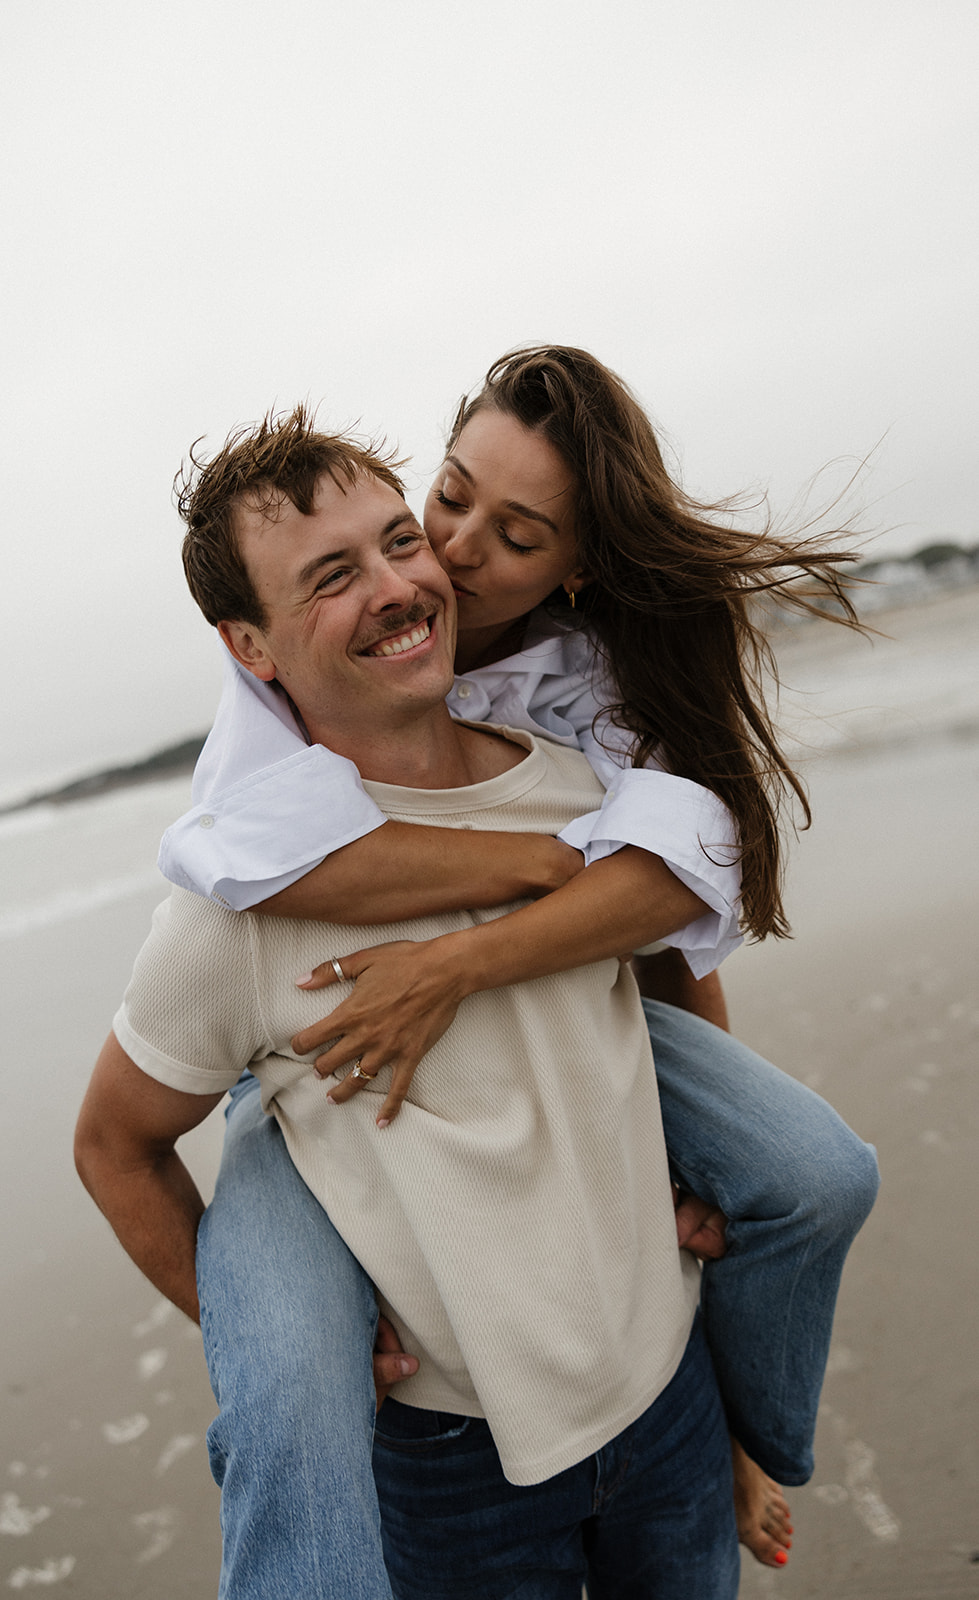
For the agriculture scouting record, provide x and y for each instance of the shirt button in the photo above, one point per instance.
(464, 691)
(206, 822)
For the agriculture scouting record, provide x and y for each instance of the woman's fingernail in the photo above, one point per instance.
(384, 1122)
(307, 977)
(330, 1100)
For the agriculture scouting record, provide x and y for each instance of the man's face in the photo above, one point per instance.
(360, 617)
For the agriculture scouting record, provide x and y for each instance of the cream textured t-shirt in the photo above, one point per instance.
(516, 1217)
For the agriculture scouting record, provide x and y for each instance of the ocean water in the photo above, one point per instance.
(59, 862)
(916, 678)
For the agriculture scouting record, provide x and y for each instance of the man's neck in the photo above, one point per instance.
(429, 751)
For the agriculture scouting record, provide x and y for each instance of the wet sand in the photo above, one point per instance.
(103, 1473)
(875, 1005)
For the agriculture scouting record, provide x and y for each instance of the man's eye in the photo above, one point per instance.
(406, 541)
(329, 580)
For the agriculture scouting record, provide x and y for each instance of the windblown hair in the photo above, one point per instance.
(671, 600)
(281, 458)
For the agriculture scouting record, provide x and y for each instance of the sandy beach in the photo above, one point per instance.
(105, 1486)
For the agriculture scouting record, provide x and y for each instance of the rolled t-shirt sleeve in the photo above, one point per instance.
(190, 1017)
(694, 834)
(269, 829)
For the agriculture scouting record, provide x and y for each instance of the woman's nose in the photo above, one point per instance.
(462, 546)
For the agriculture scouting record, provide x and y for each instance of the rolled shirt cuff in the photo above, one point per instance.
(266, 832)
(694, 834)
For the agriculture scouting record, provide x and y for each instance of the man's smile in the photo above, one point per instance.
(404, 641)
(413, 631)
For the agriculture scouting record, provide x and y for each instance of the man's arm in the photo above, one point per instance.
(125, 1154)
(665, 976)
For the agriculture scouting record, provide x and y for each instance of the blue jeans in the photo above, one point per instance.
(797, 1185)
(288, 1316)
(288, 1319)
(649, 1517)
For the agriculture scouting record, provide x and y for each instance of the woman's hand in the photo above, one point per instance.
(405, 995)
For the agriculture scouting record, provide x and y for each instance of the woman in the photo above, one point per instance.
(554, 494)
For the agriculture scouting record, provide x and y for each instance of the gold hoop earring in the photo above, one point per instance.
(570, 595)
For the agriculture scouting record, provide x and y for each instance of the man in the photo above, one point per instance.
(523, 1188)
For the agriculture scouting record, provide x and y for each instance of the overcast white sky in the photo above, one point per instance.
(761, 213)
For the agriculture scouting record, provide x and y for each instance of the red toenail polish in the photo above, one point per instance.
(780, 1558)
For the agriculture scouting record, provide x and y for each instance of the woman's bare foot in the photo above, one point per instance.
(761, 1511)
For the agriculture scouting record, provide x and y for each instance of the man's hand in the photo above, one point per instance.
(699, 1226)
(391, 1363)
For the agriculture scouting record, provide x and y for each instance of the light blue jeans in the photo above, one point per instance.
(288, 1316)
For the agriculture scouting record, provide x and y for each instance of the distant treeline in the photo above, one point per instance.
(931, 559)
(168, 763)
(887, 582)
(903, 580)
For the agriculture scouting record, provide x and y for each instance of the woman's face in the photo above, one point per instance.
(500, 519)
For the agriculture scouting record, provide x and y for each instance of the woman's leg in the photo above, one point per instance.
(796, 1184)
(288, 1320)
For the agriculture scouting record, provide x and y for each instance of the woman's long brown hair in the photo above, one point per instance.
(672, 602)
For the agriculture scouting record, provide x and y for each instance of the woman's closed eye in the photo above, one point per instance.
(511, 544)
(450, 505)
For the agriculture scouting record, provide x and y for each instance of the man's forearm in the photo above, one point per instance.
(665, 976)
(125, 1154)
(154, 1213)
(403, 870)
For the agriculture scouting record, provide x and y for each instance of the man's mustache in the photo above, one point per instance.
(401, 624)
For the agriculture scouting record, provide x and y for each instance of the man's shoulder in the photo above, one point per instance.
(193, 933)
(188, 910)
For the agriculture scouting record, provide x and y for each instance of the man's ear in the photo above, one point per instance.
(247, 645)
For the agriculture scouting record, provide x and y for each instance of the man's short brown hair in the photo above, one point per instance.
(282, 458)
